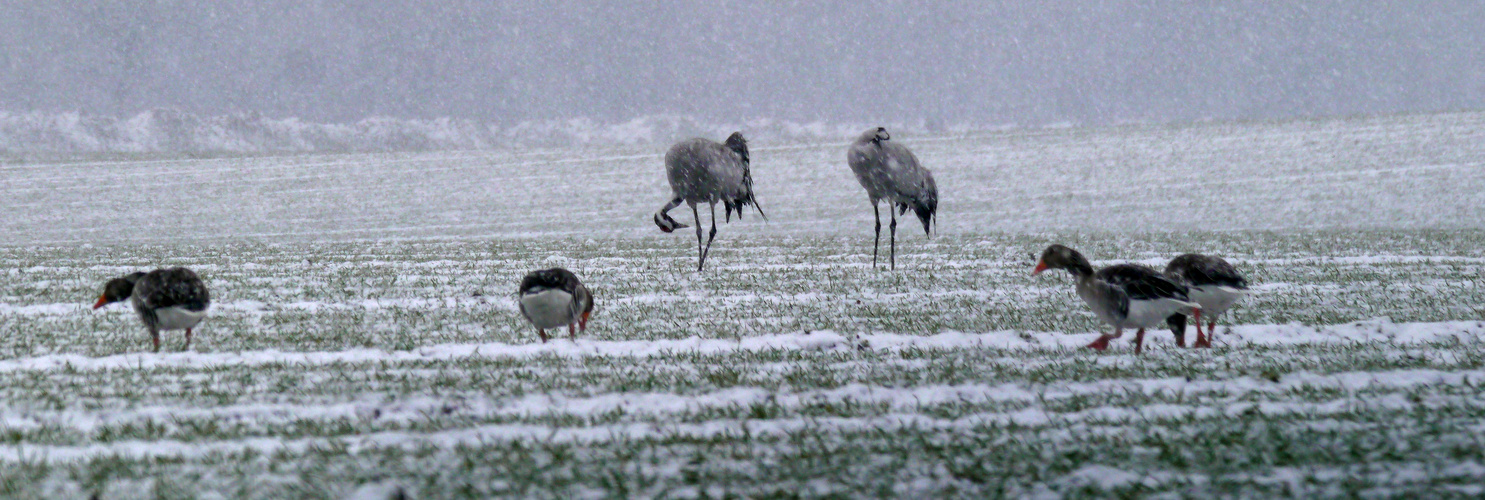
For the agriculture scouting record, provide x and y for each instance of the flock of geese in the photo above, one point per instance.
(704, 171)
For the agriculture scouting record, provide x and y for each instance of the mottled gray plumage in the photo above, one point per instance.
(1122, 295)
(165, 299)
(1196, 269)
(704, 171)
(1214, 283)
(890, 172)
(554, 297)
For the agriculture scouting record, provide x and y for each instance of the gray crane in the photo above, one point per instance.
(703, 171)
(890, 172)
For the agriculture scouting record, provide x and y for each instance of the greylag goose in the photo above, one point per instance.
(1213, 283)
(166, 299)
(1123, 295)
(554, 297)
(703, 171)
(889, 171)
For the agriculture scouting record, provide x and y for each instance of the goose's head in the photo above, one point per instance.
(118, 289)
(1062, 257)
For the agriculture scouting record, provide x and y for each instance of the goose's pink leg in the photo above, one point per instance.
(1201, 341)
(1103, 340)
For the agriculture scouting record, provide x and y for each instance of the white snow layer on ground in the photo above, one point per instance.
(1379, 330)
(903, 405)
(1113, 188)
(1386, 172)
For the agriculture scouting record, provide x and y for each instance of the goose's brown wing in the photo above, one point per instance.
(174, 287)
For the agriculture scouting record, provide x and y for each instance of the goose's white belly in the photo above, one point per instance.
(550, 308)
(178, 318)
(1152, 313)
(1215, 299)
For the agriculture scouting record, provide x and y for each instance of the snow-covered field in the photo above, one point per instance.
(364, 329)
(1399, 172)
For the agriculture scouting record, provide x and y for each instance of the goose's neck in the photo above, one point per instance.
(1081, 269)
(1083, 279)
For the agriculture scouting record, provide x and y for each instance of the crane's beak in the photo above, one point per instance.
(1040, 266)
(102, 301)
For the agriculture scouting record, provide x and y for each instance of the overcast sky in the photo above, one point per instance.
(943, 61)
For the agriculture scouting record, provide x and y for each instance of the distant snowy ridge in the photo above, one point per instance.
(170, 130)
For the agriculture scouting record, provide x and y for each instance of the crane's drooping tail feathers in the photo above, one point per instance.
(926, 210)
(747, 198)
(739, 145)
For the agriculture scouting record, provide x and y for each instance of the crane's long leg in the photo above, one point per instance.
(188, 339)
(155, 337)
(877, 243)
(1139, 340)
(701, 256)
(709, 237)
(893, 213)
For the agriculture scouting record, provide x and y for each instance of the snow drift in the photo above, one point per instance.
(171, 130)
